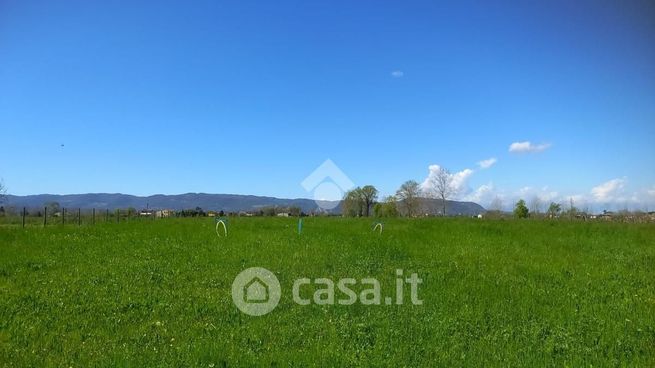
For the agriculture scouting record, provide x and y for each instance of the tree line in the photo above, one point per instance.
(407, 201)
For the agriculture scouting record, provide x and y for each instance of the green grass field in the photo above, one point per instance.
(496, 293)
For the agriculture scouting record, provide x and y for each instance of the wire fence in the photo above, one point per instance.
(70, 216)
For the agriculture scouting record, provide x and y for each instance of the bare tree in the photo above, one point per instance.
(535, 205)
(3, 191)
(495, 208)
(441, 187)
(496, 205)
(572, 210)
(408, 196)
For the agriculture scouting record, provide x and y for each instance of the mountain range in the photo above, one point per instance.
(215, 202)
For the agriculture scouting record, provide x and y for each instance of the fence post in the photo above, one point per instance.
(94, 216)
(118, 216)
(23, 216)
(107, 215)
(45, 216)
(63, 216)
(79, 217)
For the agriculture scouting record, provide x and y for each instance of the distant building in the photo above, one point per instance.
(606, 215)
(283, 214)
(164, 213)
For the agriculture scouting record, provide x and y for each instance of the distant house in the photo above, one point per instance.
(606, 215)
(145, 213)
(164, 213)
(283, 214)
(211, 214)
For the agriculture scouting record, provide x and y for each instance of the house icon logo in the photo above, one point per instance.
(327, 184)
(256, 291)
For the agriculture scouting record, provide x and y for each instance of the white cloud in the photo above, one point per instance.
(651, 192)
(485, 164)
(527, 146)
(545, 195)
(484, 195)
(487, 193)
(459, 180)
(576, 198)
(397, 73)
(609, 190)
(611, 195)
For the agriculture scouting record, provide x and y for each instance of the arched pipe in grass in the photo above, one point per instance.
(220, 222)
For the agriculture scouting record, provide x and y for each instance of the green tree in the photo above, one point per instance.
(295, 211)
(408, 196)
(269, 211)
(352, 204)
(52, 208)
(554, 209)
(387, 208)
(521, 210)
(369, 195)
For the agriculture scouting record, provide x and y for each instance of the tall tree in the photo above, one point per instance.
(521, 210)
(353, 204)
(496, 204)
(441, 187)
(3, 191)
(386, 208)
(369, 195)
(554, 209)
(535, 205)
(495, 207)
(572, 210)
(408, 196)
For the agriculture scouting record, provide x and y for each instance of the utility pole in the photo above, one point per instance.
(571, 208)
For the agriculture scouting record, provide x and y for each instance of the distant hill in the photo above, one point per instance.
(453, 208)
(216, 202)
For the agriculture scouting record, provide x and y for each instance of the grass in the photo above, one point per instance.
(496, 293)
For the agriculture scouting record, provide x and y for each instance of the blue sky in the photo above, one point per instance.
(250, 97)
